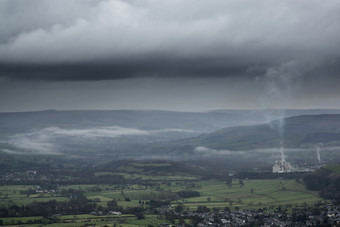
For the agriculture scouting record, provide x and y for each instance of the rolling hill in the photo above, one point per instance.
(298, 132)
(121, 134)
(302, 136)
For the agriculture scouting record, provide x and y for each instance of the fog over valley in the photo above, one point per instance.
(223, 136)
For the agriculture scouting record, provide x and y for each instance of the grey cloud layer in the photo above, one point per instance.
(118, 39)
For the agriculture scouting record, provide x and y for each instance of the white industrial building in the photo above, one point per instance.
(281, 166)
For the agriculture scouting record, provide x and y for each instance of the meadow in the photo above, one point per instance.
(214, 194)
(90, 220)
(144, 183)
(253, 194)
(11, 195)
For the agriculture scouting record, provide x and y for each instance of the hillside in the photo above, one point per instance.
(326, 181)
(121, 134)
(303, 135)
(106, 131)
(20, 122)
(299, 131)
(141, 119)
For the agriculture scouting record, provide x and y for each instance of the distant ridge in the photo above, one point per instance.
(299, 131)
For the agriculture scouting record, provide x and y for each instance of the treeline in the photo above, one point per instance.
(102, 179)
(326, 182)
(78, 204)
(75, 178)
(267, 175)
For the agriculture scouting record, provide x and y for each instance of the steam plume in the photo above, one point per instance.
(280, 83)
(317, 149)
(282, 154)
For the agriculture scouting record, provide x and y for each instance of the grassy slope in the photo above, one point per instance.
(335, 168)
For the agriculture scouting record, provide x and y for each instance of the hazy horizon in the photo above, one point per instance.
(166, 110)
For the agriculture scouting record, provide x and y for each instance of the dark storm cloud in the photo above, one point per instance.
(153, 67)
(115, 39)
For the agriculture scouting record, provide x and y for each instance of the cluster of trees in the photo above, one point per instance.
(188, 194)
(267, 175)
(55, 177)
(78, 204)
(40, 221)
(325, 182)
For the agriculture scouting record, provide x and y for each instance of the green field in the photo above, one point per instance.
(335, 168)
(136, 176)
(10, 195)
(84, 219)
(214, 194)
(253, 194)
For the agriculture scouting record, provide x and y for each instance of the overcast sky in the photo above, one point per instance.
(184, 55)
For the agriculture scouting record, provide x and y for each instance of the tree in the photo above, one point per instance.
(202, 209)
(179, 208)
(316, 211)
(112, 205)
(226, 209)
(140, 216)
(216, 209)
(241, 183)
(229, 182)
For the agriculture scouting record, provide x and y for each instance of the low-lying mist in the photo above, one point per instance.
(297, 156)
(56, 140)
